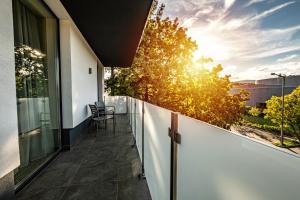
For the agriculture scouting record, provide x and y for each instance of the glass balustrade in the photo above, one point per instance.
(212, 163)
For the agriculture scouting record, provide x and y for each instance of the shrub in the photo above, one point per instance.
(254, 112)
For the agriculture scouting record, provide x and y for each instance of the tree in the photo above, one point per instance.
(164, 73)
(291, 111)
(254, 111)
(30, 72)
(120, 83)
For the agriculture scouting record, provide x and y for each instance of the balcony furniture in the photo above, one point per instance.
(105, 110)
(99, 114)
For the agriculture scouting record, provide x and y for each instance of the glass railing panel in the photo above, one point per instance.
(132, 114)
(157, 151)
(138, 125)
(216, 164)
(119, 102)
(129, 103)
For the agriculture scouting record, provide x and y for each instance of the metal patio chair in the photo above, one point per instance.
(97, 116)
(108, 111)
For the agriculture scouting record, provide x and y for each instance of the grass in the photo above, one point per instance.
(287, 143)
(265, 124)
(258, 120)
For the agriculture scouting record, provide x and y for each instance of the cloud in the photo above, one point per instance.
(206, 10)
(189, 22)
(228, 70)
(261, 72)
(234, 24)
(252, 2)
(228, 3)
(270, 11)
(231, 33)
(273, 52)
(287, 58)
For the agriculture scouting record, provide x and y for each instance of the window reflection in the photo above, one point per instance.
(36, 59)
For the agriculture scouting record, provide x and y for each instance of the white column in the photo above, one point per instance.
(9, 147)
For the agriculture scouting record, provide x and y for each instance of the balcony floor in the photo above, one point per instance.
(100, 166)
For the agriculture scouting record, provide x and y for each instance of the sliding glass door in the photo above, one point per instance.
(37, 84)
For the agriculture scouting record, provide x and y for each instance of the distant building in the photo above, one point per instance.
(262, 90)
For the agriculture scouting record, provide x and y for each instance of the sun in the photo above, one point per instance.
(210, 45)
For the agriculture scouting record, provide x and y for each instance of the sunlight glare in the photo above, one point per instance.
(210, 45)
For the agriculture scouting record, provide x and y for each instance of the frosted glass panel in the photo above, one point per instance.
(119, 102)
(157, 151)
(138, 118)
(132, 115)
(130, 110)
(215, 164)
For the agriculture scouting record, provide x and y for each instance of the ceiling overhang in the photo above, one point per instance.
(113, 28)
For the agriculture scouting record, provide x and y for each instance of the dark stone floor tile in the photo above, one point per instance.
(129, 171)
(41, 194)
(92, 191)
(103, 172)
(73, 156)
(82, 146)
(95, 159)
(55, 178)
(133, 189)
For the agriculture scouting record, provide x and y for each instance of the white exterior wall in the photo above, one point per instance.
(66, 75)
(84, 85)
(100, 81)
(9, 148)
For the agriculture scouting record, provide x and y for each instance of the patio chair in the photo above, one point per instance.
(105, 110)
(97, 116)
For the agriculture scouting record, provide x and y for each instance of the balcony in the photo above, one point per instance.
(101, 165)
(181, 158)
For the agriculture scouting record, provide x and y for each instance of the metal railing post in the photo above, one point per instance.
(142, 174)
(134, 122)
(175, 140)
(143, 139)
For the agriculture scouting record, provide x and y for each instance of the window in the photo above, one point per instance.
(37, 84)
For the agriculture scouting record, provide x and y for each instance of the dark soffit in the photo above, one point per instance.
(113, 28)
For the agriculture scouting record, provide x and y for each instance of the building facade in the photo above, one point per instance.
(263, 90)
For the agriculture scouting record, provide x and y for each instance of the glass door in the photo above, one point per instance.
(37, 84)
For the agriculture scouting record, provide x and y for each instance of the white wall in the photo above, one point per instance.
(100, 81)
(9, 148)
(84, 85)
(66, 75)
(79, 88)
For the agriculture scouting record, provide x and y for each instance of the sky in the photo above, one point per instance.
(250, 38)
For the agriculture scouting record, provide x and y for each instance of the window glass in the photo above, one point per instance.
(37, 78)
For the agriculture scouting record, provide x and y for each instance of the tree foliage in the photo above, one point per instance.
(291, 111)
(30, 72)
(164, 73)
(254, 111)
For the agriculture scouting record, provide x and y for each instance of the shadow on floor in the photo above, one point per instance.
(100, 166)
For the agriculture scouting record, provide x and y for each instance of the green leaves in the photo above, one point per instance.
(291, 111)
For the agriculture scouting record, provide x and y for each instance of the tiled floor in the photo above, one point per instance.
(100, 166)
